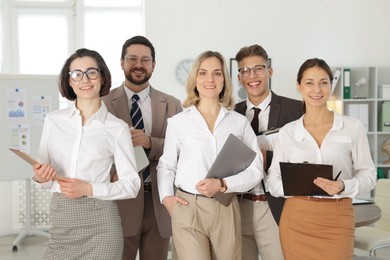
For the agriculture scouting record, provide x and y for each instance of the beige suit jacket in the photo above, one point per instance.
(163, 107)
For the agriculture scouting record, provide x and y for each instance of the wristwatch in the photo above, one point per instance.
(223, 187)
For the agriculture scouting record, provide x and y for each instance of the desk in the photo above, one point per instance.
(366, 214)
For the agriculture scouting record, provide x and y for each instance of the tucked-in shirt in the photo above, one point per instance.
(263, 125)
(88, 152)
(345, 147)
(191, 148)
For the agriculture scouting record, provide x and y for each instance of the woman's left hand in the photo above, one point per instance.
(75, 188)
(208, 187)
(329, 186)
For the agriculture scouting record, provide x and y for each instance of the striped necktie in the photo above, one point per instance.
(136, 115)
(138, 123)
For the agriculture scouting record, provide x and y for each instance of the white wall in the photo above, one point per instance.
(343, 32)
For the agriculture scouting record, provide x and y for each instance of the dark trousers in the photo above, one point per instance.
(148, 241)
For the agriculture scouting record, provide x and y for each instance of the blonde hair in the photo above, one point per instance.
(225, 97)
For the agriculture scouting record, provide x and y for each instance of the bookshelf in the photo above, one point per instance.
(369, 92)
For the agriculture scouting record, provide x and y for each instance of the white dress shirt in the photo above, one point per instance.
(263, 125)
(191, 148)
(88, 152)
(345, 147)
(144, 103)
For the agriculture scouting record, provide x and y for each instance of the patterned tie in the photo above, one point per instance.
(255, 120)
(138, 123)
(136, 115)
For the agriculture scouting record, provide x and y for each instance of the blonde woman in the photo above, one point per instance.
(202, 227)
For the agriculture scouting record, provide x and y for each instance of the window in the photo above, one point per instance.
(37, 36)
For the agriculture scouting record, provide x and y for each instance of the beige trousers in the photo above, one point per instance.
(260, 233)
(205, 229)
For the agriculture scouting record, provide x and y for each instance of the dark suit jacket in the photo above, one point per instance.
(282, 111)
(163, 107)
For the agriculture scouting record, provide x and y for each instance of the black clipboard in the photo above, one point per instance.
(234, 157)
(297, 178)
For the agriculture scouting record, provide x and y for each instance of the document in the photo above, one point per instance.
(267, 139)
(140, 158)
(234, 157)
(297, 178)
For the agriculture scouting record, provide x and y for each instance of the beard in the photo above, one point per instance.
(138, 81)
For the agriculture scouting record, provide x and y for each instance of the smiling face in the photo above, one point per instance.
(210, 78)
(138, 65)
(255, 85)
(85, 88)
(315, 87)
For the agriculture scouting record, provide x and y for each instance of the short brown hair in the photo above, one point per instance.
(249, 51)
(64, 87)
(225, 97)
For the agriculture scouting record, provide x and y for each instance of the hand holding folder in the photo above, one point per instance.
(234, 157)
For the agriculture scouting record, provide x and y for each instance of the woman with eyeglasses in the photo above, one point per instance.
(321, 227)
(79, 146)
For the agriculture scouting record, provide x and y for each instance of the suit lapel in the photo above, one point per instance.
(274, 111)
(159, 107)
(121, 105)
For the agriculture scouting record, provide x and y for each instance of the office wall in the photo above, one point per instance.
(343, 32)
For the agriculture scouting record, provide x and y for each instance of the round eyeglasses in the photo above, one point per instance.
(145, 61)
(246, 71)
(77, 75)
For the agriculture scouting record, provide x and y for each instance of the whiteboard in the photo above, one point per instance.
(25, 99)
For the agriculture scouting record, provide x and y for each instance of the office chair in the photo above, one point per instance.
(378, 236)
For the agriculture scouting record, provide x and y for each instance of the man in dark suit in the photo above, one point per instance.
(145, 221)
(265, 110)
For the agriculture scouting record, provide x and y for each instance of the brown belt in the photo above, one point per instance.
(147, 187)
(320, 199)
(254, 197)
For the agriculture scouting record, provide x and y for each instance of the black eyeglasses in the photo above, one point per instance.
(246, 71)
(77, 75)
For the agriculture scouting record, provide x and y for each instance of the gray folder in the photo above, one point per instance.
(234, 157)
(297, 178)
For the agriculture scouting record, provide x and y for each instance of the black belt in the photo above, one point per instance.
(147, 186)
(200, 195)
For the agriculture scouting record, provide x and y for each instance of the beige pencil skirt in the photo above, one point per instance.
(317, 229)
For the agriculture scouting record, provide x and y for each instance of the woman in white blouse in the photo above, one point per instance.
(202, 227)
(321, 227)
(79, 146)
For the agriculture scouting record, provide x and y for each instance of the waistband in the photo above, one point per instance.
(321, 199)
(253, 197)
(193, 194)
(147, 186)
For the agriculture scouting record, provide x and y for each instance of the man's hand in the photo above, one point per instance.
(139, 138)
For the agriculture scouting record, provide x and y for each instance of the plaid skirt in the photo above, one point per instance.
(84, 228)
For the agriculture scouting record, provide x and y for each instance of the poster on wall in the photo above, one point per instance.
(20, 137)
(40, 107)
(16, 103)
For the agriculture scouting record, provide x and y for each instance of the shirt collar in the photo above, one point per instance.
(263, 105)
(143, 94)
(300, 129)
(101, 114)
